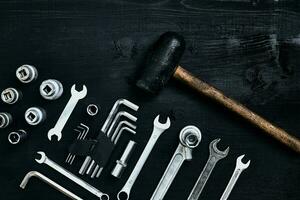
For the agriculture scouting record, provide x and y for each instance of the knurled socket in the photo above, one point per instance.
(51, 89)
(11, 95)
(5, 119)
(27, 73)
(35, 115)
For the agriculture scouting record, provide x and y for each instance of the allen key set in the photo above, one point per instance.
(99, 152)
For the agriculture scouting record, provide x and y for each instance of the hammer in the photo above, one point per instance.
(161, 64)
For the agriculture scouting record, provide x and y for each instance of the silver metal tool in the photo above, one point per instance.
(27, 73)
(48, 181)
(122, 163)
(5, 119)
(83, 130)
(114, 111)
(158, 129)
(190, 137)
(92, 110)
(76, 96)
(215, 156)
(11, 95)
(16, 137)
(51, 89)
(239, 168)
(114, 137)
(44, 159)
(122, 130)
(35, 115)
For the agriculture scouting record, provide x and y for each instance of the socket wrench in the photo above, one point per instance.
(44, 159)
(190, 138)
(158, 129)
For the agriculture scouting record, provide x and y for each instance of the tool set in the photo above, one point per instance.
(97, 152)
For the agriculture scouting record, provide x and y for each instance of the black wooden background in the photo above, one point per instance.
(247, 48)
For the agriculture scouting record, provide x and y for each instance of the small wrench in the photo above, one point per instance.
(190, 137)
(44, 159)
(65, 115)
(158, 129)
(214, 156)
(239, 168)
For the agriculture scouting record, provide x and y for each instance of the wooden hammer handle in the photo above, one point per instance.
(203, 88)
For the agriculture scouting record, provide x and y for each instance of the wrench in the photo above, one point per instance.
(239, 168)
(44, 159)
(214, 156)
(158, 129)
(190, 137)
(65, 115)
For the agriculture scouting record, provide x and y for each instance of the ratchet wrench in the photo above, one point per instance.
(158, 129)
(214, 156)
(239, 168)
(190, 137)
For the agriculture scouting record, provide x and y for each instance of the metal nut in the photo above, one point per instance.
(17, 136)
(11, 95)
(51, 89)
(92, 110)
(35, 116)
(5, 120)
(27, 73)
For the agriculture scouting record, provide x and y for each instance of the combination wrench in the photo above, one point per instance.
(215, 155)
(65, 115)
(239, 168)
(45, 160)
(158, 129)
(190, 137)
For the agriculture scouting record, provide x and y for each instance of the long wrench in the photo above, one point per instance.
(190, 137)
(65, 115)
(158, 129)
(44, 159)
(239, 168)
(215, 156)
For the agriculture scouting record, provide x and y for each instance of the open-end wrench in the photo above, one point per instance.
(158, 129)
(190, 137)
(239, 168)
(65, 115)
(214, 156)
(44, 159)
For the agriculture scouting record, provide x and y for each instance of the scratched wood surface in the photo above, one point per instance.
(248, 48)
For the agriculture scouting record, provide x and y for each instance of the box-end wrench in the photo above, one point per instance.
(239, 168)
(158, 129)
(215, 155)
(65, 115)
(190, 138)
(44, 159)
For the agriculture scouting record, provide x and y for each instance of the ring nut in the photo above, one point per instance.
(27, 73)
(92, 110)
(11, 95)
(190, 136)
(16, 137)
(5, 120)
(35, 116)
(51, 89)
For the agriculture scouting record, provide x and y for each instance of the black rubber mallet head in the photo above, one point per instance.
(161, 64)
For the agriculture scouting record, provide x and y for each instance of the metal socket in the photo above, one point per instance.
(35, 115)
(122, 163)
(16, 137)
(5, 119)
(11, 95)
(27, 73)
(51, 89)
(92, 110)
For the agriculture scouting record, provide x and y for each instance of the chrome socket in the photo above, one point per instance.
(92, 110)
(35, 116)
(26, 73)
(122, 163)
(11, 95)
(16, 137)
(51, 89)
(5, 119)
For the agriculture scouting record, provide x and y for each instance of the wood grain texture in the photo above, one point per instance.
(102, 43)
